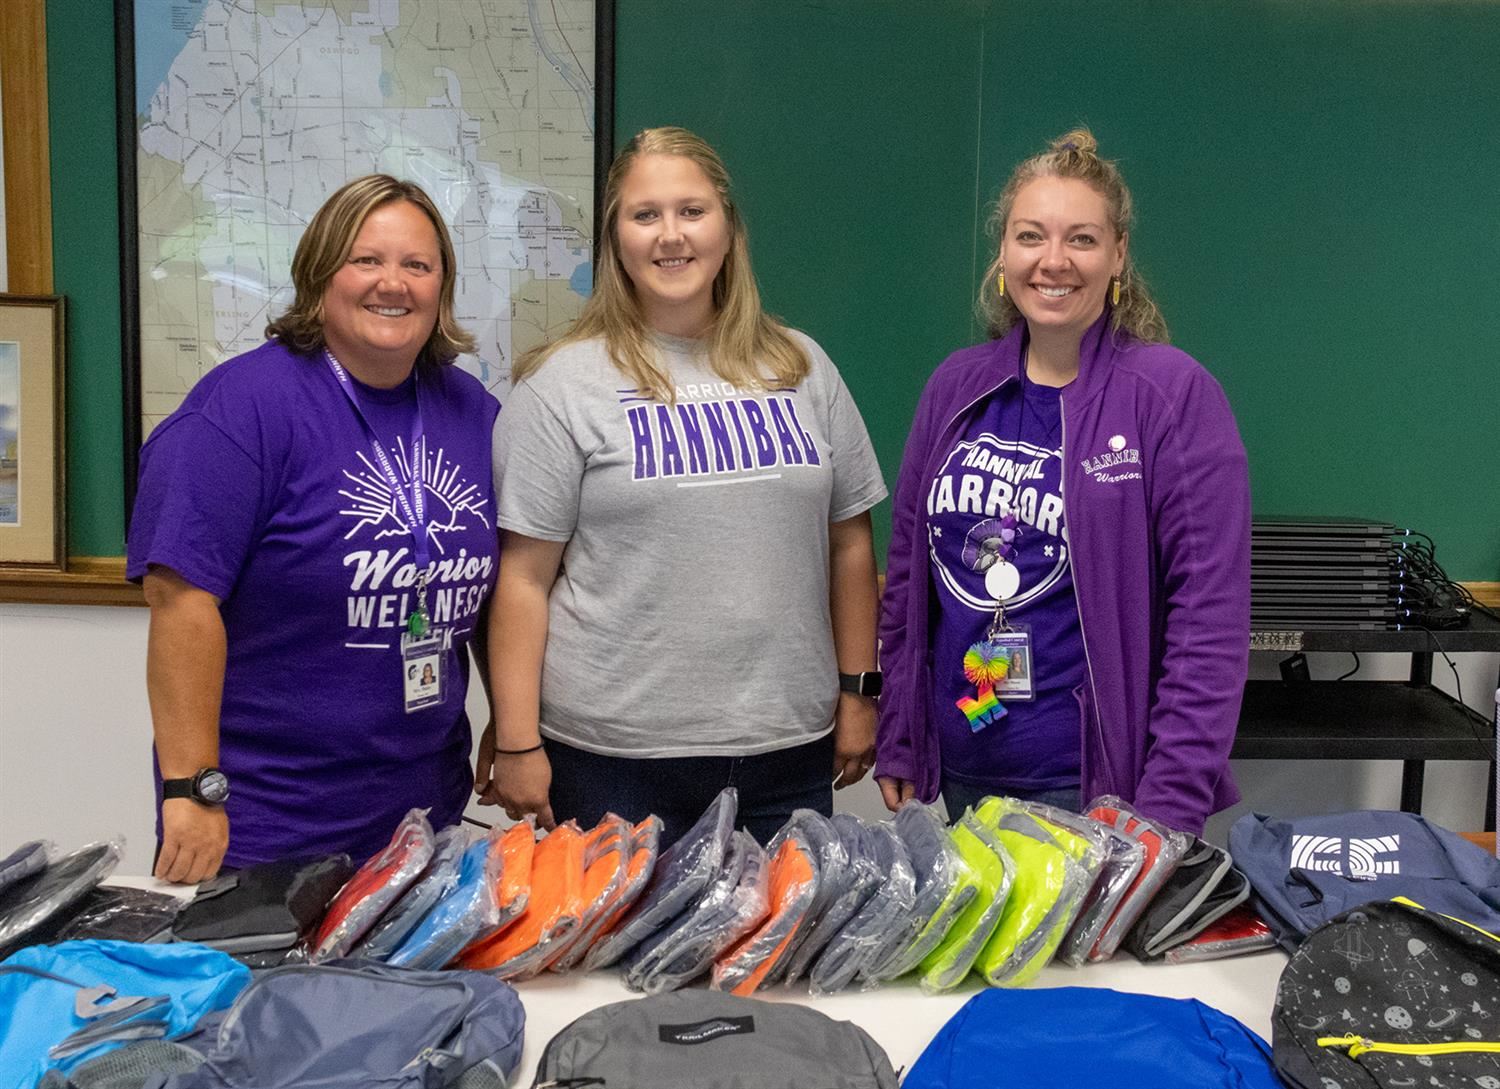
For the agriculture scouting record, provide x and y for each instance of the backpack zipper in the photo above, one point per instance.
(1358, 1045)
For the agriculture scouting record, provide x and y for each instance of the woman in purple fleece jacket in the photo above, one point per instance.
(1067, 602)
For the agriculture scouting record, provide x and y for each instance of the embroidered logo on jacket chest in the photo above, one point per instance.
(1119, 463)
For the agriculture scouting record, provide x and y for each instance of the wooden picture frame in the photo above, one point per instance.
(33, 499)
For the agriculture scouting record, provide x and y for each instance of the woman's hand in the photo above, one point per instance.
(853, 739)
(193, 841)
(895, 792)
(185, 652)
(518, 783)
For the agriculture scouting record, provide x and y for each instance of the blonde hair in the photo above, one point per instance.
(325, 246)
(746, 346)
(1074, 155)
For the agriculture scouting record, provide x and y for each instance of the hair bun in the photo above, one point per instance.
(1080, 141)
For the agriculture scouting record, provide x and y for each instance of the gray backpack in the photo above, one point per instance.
(712, 1040)
(342, 1025)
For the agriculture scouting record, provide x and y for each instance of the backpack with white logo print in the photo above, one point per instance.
(1390, 994)
(712, 1040)
(1306, 870)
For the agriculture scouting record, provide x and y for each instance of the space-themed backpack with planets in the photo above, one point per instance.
(1390, 994)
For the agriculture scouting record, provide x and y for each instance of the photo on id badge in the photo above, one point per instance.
(422, 670)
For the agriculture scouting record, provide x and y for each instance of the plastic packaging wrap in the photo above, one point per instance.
(734, 903)
(1204, 887)
(1123, 861)
(1240, 931)
(682, 872)
(1164, 850)
(435, 882)
(947, 965)
(945, 885)
(791, 894)
(112, 913)
(25, 860)
(819, 833)
(553, 910)
(862, 877)
(469, 909)
(263, 909)
(606, 867)
(51, 891)
(879, 924)
(607, 913)
(1053, 871)
(376, 885)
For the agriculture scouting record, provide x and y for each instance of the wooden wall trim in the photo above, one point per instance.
(28, 174)
(1486, 593)
(89, 580)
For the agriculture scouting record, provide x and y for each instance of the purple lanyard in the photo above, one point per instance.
(413, 502)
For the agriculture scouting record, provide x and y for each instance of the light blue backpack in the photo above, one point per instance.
(70, 1003)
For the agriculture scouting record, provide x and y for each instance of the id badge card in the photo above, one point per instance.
(1018, 683)
(422, 661)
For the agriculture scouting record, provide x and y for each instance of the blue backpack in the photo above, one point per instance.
(1070, 1036)
(70, 1003)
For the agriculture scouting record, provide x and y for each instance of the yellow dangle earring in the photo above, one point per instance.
(1114, 292)
(1000, 284)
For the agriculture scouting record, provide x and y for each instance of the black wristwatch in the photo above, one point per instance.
(209, 787)
(867, 683)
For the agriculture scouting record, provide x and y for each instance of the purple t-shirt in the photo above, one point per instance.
(1005, 459)
(263, 490)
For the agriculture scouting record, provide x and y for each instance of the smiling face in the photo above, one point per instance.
(1060, 254)
(382, 304)
(673, 233)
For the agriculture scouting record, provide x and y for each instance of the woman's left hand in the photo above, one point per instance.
(853, 739)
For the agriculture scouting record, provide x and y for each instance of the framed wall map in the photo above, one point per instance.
(245, 115)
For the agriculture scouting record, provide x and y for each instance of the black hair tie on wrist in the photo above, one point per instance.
(518, 752)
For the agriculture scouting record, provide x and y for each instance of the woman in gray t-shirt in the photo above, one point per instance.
(687, 586)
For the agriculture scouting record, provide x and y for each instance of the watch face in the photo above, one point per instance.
(212, 786)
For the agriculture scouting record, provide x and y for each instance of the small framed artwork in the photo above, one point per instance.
(32, 508)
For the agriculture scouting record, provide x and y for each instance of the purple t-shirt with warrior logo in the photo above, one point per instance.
(1009, 458)
(263, 490)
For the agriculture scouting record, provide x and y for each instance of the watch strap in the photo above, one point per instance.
(177, 788)
(868, 683)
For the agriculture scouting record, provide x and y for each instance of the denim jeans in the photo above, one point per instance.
(958, 796)
(586, 785)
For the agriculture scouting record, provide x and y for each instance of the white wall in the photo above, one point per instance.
(75, 740)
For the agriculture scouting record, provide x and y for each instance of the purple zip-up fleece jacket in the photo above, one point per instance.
(1156, 500)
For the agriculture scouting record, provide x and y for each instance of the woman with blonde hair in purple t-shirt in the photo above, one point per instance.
(314, 530)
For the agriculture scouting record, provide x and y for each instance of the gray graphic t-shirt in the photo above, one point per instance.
(691, 614)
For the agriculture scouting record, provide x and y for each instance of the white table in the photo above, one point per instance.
(899, 1016)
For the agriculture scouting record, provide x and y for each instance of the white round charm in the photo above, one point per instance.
(1002, 580)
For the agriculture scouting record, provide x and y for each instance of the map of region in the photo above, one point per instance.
(252, 112)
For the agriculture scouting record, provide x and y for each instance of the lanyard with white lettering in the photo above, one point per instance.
(414, 502)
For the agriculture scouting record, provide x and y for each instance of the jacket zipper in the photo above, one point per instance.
(1088, 662)
(1358, 1045)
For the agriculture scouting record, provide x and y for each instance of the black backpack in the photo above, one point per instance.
(1390, 994)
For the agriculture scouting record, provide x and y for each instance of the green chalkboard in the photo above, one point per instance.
(1317, 185)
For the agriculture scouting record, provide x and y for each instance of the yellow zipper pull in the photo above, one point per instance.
(1349, 1041)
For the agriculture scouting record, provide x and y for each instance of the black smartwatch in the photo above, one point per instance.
(867, 683)
(209, 787)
